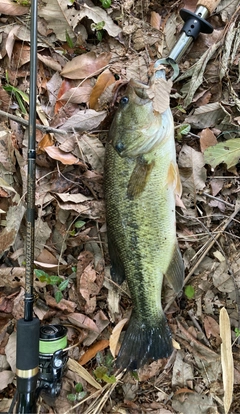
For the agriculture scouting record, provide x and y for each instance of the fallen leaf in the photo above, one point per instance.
(83, 321)
(76, 367)
(226, 359)
(227, 152)
(155, 20)
(98, 15)
(6, 377)
(207, 139)
(93, 151)
(85, 65)
(93, 350)
(77, 95)
(11, 8)
(57, 154)
(114, 337)
(84, 120)
(105, 79)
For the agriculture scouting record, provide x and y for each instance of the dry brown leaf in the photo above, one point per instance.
(50, 62)
(211, 327)
(86, 65)
(113, 340)
(84, 120)
(226, 359)
(11, 8)
(159, 92)
(89, 287)
(93, 350)
(76, 367)
(104, 80)
(65, 157)
(83, 321)
(155, 20)
(63, 305)
(11, 40)
(77, 95)
(46, 141)
(207, 139)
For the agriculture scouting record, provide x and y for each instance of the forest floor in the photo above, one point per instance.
(86, 56)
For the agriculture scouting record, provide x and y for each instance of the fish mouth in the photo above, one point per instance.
(140, 89)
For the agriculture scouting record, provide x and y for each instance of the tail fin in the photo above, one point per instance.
(144, 342)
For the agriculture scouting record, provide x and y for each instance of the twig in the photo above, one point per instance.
(219, 199)
(42, 128)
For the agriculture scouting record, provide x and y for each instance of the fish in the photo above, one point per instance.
(141, 181)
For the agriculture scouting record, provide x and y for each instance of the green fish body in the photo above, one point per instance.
(141, 180)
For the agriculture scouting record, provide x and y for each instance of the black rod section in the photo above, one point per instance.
(27, 363)
(30, 216)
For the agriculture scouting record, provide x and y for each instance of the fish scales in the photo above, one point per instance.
(140, 186)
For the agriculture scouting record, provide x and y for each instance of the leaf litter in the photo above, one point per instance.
(86, 55)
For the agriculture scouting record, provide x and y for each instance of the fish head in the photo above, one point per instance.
(135, 127)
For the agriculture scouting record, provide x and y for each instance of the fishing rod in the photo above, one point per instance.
(41, 354)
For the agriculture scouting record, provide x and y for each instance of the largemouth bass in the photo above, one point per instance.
(141, 180)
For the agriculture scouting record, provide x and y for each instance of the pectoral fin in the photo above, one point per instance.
(174, 179)
(139, 178)
(175, 271)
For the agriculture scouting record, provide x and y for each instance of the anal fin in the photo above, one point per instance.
(175, 271)
(117, 269)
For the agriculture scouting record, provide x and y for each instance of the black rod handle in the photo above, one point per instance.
(27, 365)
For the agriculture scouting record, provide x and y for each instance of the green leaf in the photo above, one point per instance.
(184, 129)
(189, 291)
(79, 224)
(81, 395)
(228, 152)
(38, 273)
(54, 280)
(100, 372)
(58, 296)
(63, 285)
(78, 387)
(72, 397)
(109, 379)
(69, 40)
(237, 332)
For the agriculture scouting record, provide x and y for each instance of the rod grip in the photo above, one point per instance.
(27, 344)
(211, 5)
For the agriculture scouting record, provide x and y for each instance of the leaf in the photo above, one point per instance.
(207, 139)
(6, 377)
(84, 120)
(98, 15)
(58, 296)
(226, 359)
(58, 16)
(105, 79)
(93, 350)
(65, 157)
(227, 152)
(76, 368)
(83, 321)
(189, 291)
(194, 162)
(77, 95)
(11, 8)
(93, 151)
(114, 337)
(86, 65)
(63, 285)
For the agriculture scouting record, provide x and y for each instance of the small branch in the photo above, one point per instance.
(42, 128)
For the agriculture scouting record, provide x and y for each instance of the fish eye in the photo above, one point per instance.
(124, 100)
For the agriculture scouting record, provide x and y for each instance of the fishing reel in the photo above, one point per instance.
(41, 366)
(53, 357)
